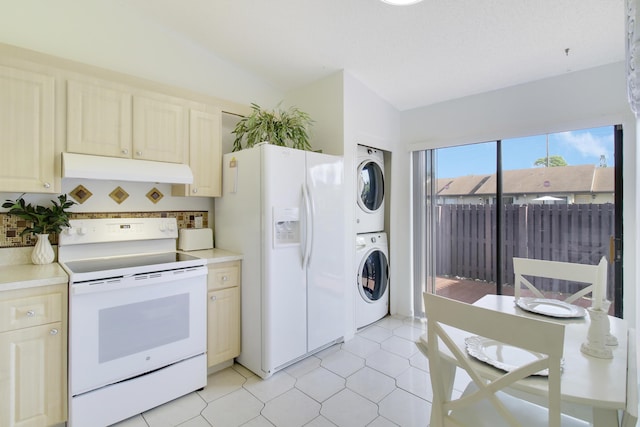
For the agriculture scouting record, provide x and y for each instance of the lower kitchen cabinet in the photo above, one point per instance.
(33, 356)
(223, 312)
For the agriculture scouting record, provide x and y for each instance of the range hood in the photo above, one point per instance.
(117, 169)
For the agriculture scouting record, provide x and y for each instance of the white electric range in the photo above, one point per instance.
(137, 318)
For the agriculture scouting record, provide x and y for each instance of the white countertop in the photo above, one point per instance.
(19, 276)
(215, 255)
(30, 275)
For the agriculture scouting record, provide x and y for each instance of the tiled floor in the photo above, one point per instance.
(377, 379)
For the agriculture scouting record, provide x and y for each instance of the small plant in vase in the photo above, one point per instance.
(278, 127)
(44, 221)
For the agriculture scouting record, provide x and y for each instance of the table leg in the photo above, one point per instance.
(605, 417)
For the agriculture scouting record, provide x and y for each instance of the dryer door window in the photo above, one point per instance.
(370, 186)
(374, 276)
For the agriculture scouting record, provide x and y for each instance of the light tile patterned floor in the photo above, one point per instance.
(377, 379)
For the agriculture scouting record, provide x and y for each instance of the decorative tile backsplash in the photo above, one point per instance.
(11, 226)
(119, 195)
(80, 194)
(154, 195)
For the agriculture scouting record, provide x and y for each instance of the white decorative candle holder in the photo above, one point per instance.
(610, 340)
(599, 337)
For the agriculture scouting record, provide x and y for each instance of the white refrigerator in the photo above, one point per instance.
(283, 210)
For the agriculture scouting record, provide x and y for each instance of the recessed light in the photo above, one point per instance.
(401, 2)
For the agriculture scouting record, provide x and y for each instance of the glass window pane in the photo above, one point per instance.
(465, 224)
(562, 187)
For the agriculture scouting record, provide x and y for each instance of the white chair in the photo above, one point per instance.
(583, 273)
(483, 403)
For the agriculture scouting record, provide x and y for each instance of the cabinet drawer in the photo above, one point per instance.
(18, 310)
(224, 275)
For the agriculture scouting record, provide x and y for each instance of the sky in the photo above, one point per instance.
(576, 147)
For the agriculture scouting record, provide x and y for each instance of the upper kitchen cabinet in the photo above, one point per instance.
(109, 119)
(98, 119)
(160, 128)
(205, 154)
(27, 131)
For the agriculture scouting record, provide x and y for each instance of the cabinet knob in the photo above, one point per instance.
(213, 297)
(138, 153)
(194, 191)
(46, 185)
(224, 278)
(53, 331)
(125, 151)
(31, 313)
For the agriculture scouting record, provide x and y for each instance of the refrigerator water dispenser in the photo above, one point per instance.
(286, 227)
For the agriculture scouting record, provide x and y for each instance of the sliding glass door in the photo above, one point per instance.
(557, 196)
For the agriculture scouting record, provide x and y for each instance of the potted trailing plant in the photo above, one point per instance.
(44, 221)
(280, 127)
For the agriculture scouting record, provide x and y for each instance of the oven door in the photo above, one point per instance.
(121, 328)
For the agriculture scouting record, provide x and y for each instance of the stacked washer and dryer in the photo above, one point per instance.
(372, 251)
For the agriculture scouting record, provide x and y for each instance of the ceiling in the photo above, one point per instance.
(411, 56)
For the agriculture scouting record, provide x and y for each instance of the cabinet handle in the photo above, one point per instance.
(31, 313)
(213, 297)
(225, 278)
(138, 153)
(195, 190)
(125, 151)
(54, 331)
(46, 185)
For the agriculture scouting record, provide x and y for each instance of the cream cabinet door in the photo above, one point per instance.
(205, 155)
(27, 139)
(223, 332)
(32, 377)
(98, 119)
(159, 129)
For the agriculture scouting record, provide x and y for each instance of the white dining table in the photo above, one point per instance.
(585, 380)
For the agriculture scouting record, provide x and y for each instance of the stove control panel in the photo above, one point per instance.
(102, 230)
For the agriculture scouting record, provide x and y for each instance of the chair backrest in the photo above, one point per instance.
(584, 273)
(540, 336)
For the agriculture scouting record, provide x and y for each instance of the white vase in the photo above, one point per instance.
(42, 252)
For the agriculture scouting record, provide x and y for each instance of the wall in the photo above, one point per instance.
(591, 98)
(114, 36)
(371, 121)
(323, 100)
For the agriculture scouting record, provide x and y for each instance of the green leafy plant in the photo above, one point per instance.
(278, 126)
(44, 220)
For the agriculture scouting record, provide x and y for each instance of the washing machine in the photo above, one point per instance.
(372, 278)
(370, 199)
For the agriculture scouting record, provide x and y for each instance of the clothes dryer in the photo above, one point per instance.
(372, 278)
(370, 198)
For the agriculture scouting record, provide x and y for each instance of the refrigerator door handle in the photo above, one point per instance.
(307, 233)
(305, 201)
(310, 216)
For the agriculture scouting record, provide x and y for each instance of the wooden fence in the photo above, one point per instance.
(572, 233)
